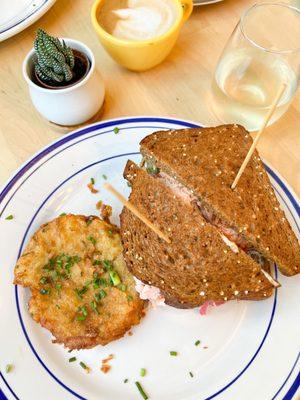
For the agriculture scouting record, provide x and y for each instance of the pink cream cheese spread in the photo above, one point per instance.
(148, 292)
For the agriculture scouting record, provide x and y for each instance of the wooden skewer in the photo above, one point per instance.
(258, 136)
(135, 211)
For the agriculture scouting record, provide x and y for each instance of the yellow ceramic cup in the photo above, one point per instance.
(144, 54)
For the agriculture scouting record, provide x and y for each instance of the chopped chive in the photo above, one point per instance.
(81, 292)
(57, 306)
(43, 280)
(92, 181)
(152, 170)
(104, 176)
(8, 368)
(94, 307)
(45, 291)
(100, 295)
(97, 262)
(62, 214)
(91, 239)
(114, 278)
(82, 313)
(143, 372)
(83, 365)
(141, 390)
(116, 130)
(100, 282)
(72, 359)
(107, 265)
(197, 342)
(191, 374)
(58, 286)
(126, 380)
(129, 297)
(9, 217)
(89, 220)
(122, 287)
(173, 353)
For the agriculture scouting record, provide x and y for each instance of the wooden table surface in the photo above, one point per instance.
(177, 88)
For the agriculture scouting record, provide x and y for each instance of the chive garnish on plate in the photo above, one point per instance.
(143, 372)
(126, 380)
(92, 181)
(8, 368)
(72, 359)
(62, 214)
(116, 130)
(104, 176)
(197, 342)
(141, 390)
(9, 217)
(191, 374)
(84, 366)
(173, 353)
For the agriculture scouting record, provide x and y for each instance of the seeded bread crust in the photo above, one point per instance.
(206, 161)
(197, 266)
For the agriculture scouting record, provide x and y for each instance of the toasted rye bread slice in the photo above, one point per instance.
(206, 161)
(197, 266)
(63, 265)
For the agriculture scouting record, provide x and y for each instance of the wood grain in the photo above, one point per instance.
(180, 87)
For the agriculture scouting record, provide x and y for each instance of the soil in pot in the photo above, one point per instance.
(80, 70)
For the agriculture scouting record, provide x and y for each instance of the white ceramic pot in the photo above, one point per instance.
(72, 105)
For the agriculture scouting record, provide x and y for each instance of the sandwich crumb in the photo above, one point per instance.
(92, 189)
(105, 367)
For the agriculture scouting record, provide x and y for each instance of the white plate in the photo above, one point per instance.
(204, 2)
(252, 347)
(16, 15)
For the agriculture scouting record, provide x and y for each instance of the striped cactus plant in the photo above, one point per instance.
(55, 60)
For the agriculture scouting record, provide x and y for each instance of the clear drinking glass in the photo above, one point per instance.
(262, 53)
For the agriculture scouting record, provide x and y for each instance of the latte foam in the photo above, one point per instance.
(138, 19)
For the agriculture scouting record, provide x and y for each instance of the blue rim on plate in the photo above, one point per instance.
(111, 124)
(36, 13)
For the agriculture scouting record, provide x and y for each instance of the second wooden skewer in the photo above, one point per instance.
(136, 212)
(255, 141)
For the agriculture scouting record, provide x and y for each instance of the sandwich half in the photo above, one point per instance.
(204, 162)
(200, 263)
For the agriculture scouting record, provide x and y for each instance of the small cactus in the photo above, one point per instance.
(55, 60)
